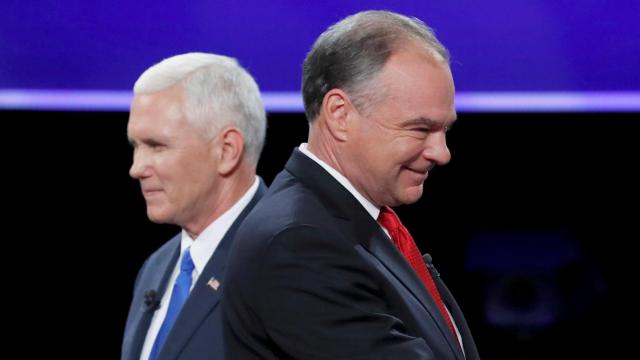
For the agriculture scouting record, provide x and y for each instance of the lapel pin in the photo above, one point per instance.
(214, 283)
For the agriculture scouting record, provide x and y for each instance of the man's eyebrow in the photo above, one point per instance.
(430, 123)
(145, 141)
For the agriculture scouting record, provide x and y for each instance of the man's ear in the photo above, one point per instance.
(230, 150)
(338, 111)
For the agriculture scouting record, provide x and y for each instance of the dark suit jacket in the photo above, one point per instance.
(197, 332)
(312, 276)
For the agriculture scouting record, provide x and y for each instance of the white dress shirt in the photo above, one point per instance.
(202, 248)
(373, 210)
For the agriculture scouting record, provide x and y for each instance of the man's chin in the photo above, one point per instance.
(410, 195)
(157, 217)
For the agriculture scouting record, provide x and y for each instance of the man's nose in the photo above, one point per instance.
(437, 149)
(139, 165)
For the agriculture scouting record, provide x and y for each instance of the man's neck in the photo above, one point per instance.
(229, 192)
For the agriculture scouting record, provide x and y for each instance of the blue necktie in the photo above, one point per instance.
(178, 297)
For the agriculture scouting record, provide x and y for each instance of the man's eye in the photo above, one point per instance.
(155, 145)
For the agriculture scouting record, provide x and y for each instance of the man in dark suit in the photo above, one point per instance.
(312, 274)
(197, 127)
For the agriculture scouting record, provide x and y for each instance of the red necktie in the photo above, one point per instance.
(404, 242)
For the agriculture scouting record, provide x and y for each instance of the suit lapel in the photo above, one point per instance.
(380, 246)
(367, 233)
(205, 297)
(470, 350)
(159, 273)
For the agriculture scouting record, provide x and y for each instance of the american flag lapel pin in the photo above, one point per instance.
(214, 283)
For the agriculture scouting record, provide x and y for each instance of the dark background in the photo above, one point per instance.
(532, 226)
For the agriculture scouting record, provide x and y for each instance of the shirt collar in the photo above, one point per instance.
(373, 210)
(203, 246)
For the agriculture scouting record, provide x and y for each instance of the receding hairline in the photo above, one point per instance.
(386, 33)
(432, 57)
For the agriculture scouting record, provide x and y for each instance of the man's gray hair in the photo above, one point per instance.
(218, 92)
(351, 52)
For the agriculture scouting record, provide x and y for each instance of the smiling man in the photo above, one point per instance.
(197, 127)
(323, 268)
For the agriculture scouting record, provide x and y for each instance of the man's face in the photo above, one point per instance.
(175, 164)
(398, 141)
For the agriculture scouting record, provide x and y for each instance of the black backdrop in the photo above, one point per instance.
(78, 231)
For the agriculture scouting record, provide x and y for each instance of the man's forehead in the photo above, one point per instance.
(156, 105)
